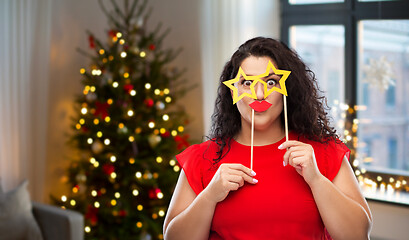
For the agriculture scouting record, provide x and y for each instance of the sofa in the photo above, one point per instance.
(57, 223)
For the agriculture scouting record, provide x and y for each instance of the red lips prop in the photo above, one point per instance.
(260, 106)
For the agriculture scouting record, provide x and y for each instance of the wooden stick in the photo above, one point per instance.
(252, 137)
(285, 117)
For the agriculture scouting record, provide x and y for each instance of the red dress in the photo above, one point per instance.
(279, 206)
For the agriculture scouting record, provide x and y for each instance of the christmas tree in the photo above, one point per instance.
(127, 129)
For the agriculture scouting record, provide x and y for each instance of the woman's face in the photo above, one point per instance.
(263, 118)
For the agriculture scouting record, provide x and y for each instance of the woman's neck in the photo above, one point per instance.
(261, 137)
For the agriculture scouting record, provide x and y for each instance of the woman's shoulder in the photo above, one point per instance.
(199, 149)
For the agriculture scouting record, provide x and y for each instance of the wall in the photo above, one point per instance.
(390, 221)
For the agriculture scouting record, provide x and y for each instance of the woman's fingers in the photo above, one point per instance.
(243, 176)
(242, 168)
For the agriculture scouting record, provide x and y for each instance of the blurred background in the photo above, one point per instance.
(359, 51)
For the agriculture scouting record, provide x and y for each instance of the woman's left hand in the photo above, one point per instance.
(301, 156)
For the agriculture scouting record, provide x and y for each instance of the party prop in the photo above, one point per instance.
(260, 106)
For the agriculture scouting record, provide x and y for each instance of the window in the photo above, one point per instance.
(359, 51)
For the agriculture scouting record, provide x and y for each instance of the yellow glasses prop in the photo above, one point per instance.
(282, 89)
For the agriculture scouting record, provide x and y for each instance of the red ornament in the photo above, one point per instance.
(181, 141)
(91, 41)
(166, 134)
(148, 102)
(152, 47)
(112, 33)
(153, 193)
(84, 129)
(122, 213)
(108, 168)
(101, 109)
(128, 88)
(91, 215)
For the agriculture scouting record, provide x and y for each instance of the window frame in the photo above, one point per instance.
(348, 14)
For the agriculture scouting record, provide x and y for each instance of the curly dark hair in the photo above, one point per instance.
(306, 107)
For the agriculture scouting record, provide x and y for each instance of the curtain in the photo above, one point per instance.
(225, 25)
(24, 63)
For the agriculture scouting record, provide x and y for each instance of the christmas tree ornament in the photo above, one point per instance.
(154, 140)
(91, 41)
(81, 178)
(128, 88)
(379, 73)
(97, 147)
(148, 102)
(160, 105)
(123, 130)
(91, 97)
(101, 109)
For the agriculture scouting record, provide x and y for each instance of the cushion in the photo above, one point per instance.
(16, 218)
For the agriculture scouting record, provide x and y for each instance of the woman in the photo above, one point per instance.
(303, 188)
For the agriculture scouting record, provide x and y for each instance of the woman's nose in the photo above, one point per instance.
(259, 88)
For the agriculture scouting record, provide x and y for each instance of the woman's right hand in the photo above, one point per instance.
(229, 177)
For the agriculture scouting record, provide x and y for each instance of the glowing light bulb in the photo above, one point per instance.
(94, 193)
(84, 110)
(168, 99)
(172, 162)
(132, 92)
(157, 91)
(96, 204)
(138, 174)
(135, 192)
(117, 195)
(159, 195)
(73, 202)
(82, 70)
(87, 229)
(63, 198)
(151, 124)
(113, 175)
(142, 54)
(123, 54)
(148, 86)
(139, 207)
(166, 91)
(161, 213)
(107, 141)
(130, 113)
(165, 117)
(159, 159)
(99, 134)
(113, 158)
(90, 141)
(115, 84)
